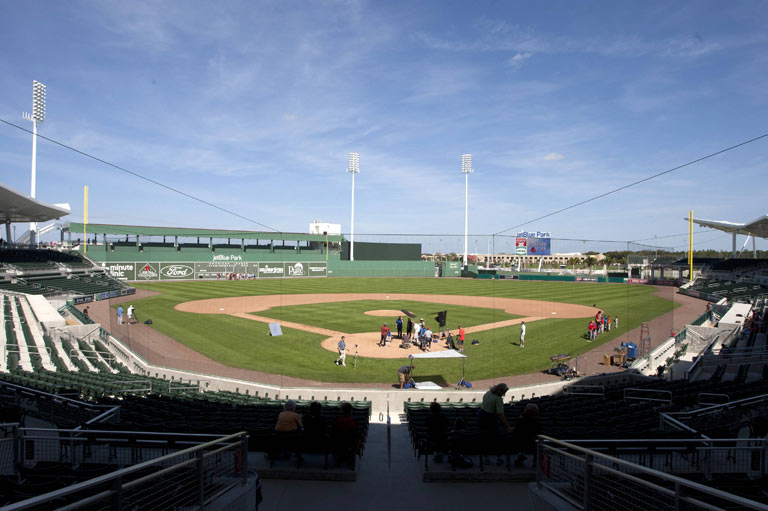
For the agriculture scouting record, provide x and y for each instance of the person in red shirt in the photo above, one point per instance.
(460, 341)
(384, 332)
(591, 329)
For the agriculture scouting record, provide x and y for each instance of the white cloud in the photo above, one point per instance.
(519, 58)
(554, 157)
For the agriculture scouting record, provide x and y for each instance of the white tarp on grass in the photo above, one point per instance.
(439, 354)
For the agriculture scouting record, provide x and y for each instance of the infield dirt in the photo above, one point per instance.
(366, 343)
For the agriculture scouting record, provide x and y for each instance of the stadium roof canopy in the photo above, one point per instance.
(17, 207)
(757, 227)
(187, 232)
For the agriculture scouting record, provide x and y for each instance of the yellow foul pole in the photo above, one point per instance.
(85, 218)
(690, 244)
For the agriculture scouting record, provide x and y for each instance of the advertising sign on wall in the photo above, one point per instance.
(539, 246)
(221, 269)
(147, 271)
(120, 271)
(172, 271)
(296, 269)
(521, 246)
(317, 269)
(213, 270)
(267, 270)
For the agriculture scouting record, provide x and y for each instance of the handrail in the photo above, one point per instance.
(568, 390)
(665, 418)
(648, 391)
(116, 476)
(679, 482)
(713, 394)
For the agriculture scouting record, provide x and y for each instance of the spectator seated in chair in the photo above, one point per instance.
(287, 432)
(526, 429)
(437, 432)
(345, 438)
(315, 430)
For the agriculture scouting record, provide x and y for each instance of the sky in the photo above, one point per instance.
(254, 106)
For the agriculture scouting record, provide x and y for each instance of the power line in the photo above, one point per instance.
(659, 237)
(638, 182)
(136, 174)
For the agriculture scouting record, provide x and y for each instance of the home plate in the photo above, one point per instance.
(223, 309)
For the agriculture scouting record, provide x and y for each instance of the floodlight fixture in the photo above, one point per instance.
(353, 168)
(37, 116)
(466, 169)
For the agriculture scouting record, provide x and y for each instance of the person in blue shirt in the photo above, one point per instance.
(119, 314)
(399, 324)
(342, 347)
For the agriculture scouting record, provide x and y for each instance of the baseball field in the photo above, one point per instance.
(228, 322)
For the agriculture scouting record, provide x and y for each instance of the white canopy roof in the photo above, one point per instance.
(17, 207)
(439, 354)
(757, 227)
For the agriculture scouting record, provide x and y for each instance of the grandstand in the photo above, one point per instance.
(657, 436)
(88, 420)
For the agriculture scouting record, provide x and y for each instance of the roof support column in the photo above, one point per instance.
(8, 232)
(733, 246)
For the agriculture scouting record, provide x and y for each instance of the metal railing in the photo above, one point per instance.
(730, 413)
(585, 390)
(52, 406)
(187, 478)
(657, 395)
(589, 479)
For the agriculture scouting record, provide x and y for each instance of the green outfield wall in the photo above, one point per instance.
(191, 270)
(229, 254)
(381, 268)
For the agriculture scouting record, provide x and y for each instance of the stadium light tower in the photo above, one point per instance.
(37, 116)
(353, 168)
(466, 169)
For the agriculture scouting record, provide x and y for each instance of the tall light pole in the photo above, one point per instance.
(37, 116)
(466, 169)
(353, 168)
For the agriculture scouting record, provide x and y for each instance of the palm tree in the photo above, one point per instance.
(590, 262)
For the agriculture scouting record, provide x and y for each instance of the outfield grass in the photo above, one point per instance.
(350, 317)
(242, 343)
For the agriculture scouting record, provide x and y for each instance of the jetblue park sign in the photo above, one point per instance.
(221, 269)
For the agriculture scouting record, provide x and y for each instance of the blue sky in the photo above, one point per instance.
(254, 106)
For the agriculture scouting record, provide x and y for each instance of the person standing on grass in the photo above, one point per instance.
(616, 321)
(342, 348)
(399, 324)
(522, 334)
(131, 308)
(409, 329)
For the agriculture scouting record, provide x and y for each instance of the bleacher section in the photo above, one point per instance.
(51, 272)
(81, 383)
(617, 412)
(714, 289)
